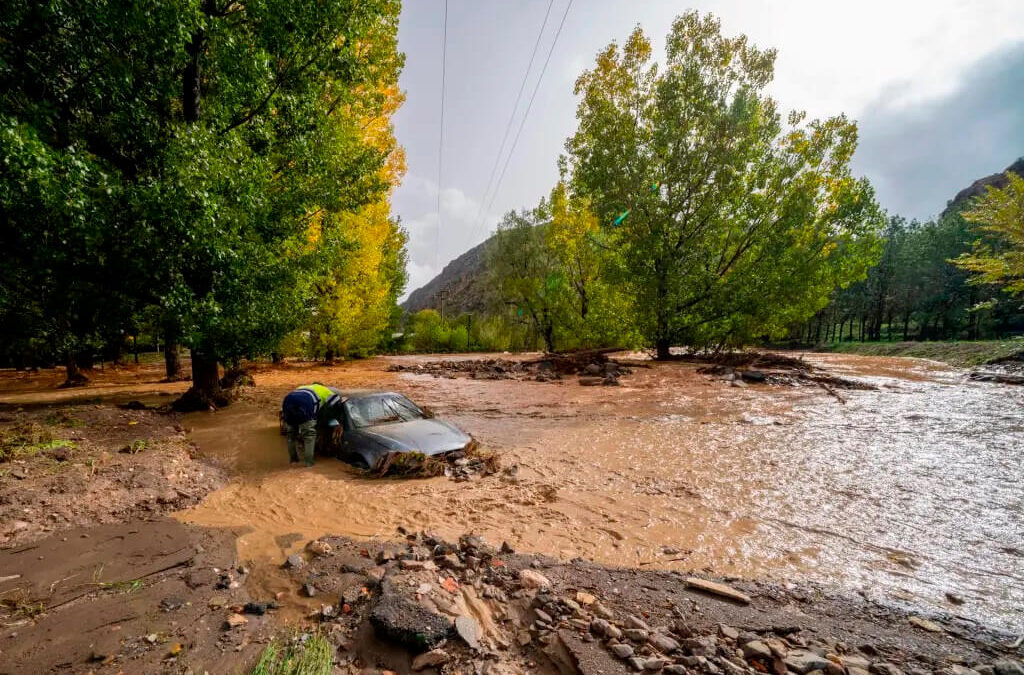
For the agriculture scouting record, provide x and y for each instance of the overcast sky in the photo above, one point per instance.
(937, 87)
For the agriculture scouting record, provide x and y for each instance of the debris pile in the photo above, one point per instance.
(739, 369)
(462, 465)
(469, 607)
(592, 367)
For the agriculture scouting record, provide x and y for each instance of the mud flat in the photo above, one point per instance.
(839, 516)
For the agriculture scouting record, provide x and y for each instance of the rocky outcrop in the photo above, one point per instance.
(977, 188)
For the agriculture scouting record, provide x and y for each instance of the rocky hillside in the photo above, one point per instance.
(977, 188)
(462, 284)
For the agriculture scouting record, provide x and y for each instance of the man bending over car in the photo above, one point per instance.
(300, 411)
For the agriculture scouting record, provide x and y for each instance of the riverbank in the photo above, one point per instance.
(966, 354)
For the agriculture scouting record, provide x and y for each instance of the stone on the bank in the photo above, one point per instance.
(654, 664)
(757, 650)
(591, 381)
(319, 548)
(884, 669)
(401, 620)
(602, 611)
(728, 632)
(663, 643)
(1008, 667)
(636, 622)
(676, 669)
(234, 621)
(543, 616)
(599, 627)
(927, 625)
(294, 561)
(718, 589)
(801, 661)
(430, 659)
(700, 646)
(854, 670)
(636, 663)
(585, 598)
(533, 579)
(622, 650)
(635, 634)
(854, 661)
(469, 630)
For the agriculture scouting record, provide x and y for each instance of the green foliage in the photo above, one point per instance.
(999, 257)
(737, 225)
(176, 156)
(312, 656)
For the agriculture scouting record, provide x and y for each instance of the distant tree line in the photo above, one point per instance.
(958, 277)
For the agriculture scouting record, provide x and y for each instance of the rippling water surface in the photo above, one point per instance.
(904, 493)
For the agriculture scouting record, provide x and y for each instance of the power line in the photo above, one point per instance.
(440, 144)
(529, 106)
(512, 116)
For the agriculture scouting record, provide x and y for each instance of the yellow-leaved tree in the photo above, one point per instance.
(998, 258)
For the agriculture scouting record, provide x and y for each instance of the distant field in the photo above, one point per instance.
(960, 354)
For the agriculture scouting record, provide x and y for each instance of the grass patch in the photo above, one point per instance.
(19, 605)
(310, 654)
(965, 354)
(25, 439)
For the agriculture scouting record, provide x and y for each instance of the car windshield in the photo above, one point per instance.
(370, 411)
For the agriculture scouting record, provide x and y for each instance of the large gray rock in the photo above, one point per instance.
(757, 650)
(408, 623)
(802, 661)
(622, 650)
(1008, 667)
(663, 643)
(469, 630)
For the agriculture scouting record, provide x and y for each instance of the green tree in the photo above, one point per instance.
(192, 144)
(729, 224)
(526, 274)
(998, 258)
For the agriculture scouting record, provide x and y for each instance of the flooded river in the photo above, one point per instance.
(905, 493)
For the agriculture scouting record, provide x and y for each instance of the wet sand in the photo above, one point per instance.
(903, 494)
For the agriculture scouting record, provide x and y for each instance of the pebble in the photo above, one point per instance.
(585, 598)
(636, 663)
(430, 659)
(635, 634)
(602, 611)
(854, 661)
(234, 621)
(663, 643)
(728, 632)
(676, 669)
(469, 630)
(294, 561)
(622, 650)
(927, 625)
(636, 622)
(654, 664)
(801, 661)
(533, 579)
(757, 650)
(543, 616)
(1008, 667)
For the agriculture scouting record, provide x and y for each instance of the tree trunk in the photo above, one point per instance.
(663, 346)
(74, 377)
(276, 358)
(172, 362)
(205, 392)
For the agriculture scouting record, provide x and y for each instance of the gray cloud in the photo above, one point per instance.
(919, 156)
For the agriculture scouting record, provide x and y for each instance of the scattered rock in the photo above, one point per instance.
(927, 625)
(294, 561)
(235, 620)
(802, 661)
(309, 590)
(654, 664)
(430, 659)
(954, 598)
(636, 663)
(622, 650)
(403, 621)
(585, 598)
(319, 548)
(635, 634)
(1008, 667)
(469, 630)
(663, 643)
(533, 579)
(728, 632)
(757, 650)
(633, 621)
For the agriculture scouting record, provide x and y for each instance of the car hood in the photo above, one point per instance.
(429, 436)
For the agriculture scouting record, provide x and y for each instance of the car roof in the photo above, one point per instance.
(367, 393)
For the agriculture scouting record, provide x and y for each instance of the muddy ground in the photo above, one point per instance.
(145, 593)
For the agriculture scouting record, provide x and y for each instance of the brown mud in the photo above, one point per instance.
(674, 470)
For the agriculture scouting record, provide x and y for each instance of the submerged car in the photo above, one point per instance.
(375, 424)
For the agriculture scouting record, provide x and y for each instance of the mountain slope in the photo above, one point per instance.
(977, 188)
(462, 285)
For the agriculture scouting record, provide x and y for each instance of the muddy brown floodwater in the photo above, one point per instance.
(904, 493)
